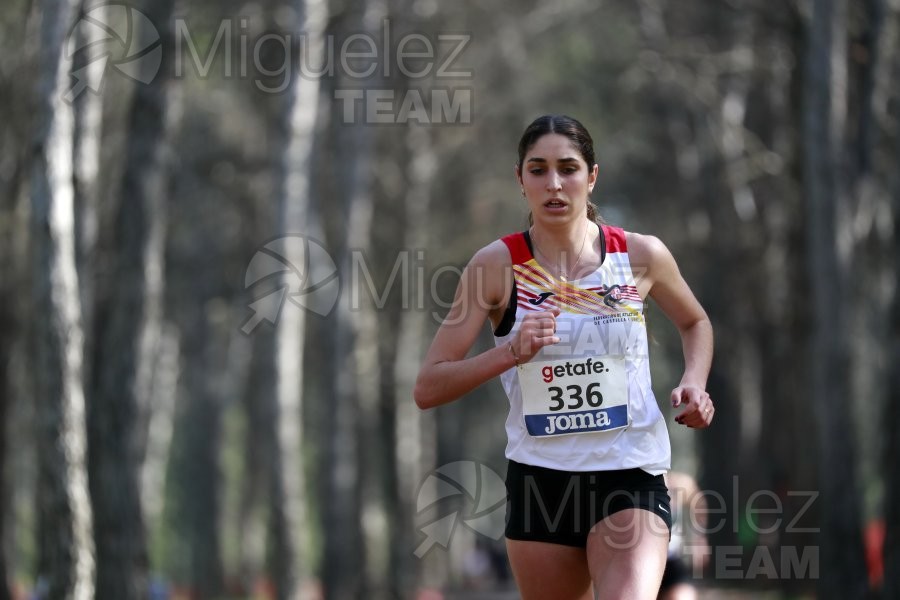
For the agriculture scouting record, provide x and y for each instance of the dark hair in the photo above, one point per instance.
(570, 128)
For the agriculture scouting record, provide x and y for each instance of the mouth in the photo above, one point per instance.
(555, 203)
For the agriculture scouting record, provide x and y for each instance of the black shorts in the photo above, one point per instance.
(561, 507)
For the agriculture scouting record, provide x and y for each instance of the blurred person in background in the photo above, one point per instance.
(688, 548)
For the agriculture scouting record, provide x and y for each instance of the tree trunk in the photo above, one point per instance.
(11, 279)
(892, 409)
(867, 84)
(790, 461)
(343, 561)
(258, 400)
(745, 359)
(159, 429)
(872, 86)
(287, 483)
(892, 422)
(892, 425)
(707, 180)
(8, 325)
(64, 506)
(126, 317)
(201, 483)
(409, 462)
(843, 571)
(88, 129)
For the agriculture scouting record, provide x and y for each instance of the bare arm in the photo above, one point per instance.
(663, 282)
(446, 374)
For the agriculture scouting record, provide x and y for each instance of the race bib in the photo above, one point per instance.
(568, 396)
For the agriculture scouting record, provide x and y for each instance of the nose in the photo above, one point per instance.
(554, 181)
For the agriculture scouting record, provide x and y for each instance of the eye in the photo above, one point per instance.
(536, 171)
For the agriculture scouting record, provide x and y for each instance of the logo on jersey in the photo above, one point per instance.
(612, 296)
(540, 299)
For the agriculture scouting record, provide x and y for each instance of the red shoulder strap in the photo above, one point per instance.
(615, 239)
(518, 249)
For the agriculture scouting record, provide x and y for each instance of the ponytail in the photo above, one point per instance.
(593, 215)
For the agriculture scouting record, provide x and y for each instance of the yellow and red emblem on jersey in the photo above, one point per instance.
(608, 291)
(538, 290)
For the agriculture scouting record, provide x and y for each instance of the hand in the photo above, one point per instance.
(538, 329)
(698, 407)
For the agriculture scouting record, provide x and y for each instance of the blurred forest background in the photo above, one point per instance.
(173, 427)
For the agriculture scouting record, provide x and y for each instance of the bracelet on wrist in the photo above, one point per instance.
(513, 352)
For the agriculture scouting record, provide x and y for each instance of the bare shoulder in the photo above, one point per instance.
(651, 262)
(645, 248)
(489, 274)
(647, 251)
(494, 255)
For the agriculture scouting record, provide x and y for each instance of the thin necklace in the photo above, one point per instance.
(563, 272)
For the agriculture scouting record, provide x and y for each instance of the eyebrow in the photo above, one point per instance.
(567, 159)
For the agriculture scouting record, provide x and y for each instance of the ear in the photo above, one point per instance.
(592, 176)
(518, 175)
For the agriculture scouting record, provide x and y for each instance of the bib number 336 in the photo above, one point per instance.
(570, 396)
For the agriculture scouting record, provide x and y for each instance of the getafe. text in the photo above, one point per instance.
(579, 368)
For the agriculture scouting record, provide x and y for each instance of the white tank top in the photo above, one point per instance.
(588, 404)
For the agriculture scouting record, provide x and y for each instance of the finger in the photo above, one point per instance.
(700, 418)
(702, 424)
(549, 338)
(677, 396)
(693, 396)
(692, 414)
(547, 323)
(538, 329)
(695, 423)
(541, 320)
(540, 339)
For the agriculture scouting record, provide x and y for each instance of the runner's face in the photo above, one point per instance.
(556, 179)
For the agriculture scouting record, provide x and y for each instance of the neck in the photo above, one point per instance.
(568, 238)
(563, 250)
